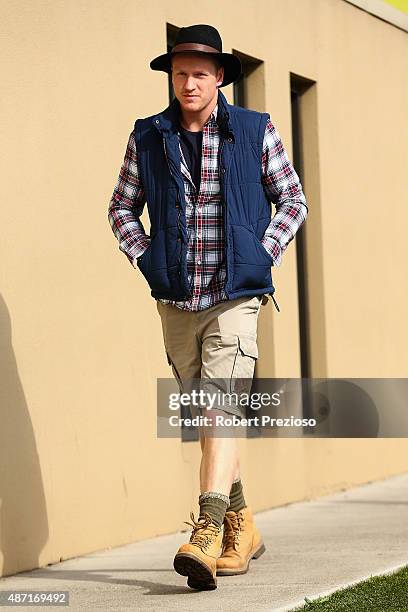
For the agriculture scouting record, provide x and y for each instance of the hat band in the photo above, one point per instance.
(194, 47)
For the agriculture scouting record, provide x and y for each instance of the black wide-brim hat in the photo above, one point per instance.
(201, 38)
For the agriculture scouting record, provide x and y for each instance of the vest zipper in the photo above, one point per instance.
(222, 177)
(165, 154)
(178, 209)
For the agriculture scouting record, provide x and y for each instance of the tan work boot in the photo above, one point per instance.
(241, 543)
(198, 558)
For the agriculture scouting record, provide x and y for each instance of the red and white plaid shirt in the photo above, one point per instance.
(204, 212)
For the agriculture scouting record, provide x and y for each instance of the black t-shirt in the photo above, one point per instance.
(191, 144)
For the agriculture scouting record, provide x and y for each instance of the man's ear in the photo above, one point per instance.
(220, 80)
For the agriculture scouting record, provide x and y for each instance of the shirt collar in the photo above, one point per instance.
(213, 117)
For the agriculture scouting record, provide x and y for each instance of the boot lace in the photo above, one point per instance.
(232, 531)
(203, 532)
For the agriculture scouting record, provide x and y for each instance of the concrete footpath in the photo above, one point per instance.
(312, 547)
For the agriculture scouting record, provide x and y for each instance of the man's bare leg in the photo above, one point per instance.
(219, 461)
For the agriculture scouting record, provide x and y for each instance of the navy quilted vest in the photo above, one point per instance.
(247, 211)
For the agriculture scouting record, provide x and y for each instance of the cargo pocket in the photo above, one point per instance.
(175, 372)
(244, 364)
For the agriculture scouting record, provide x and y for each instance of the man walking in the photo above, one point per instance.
(208, 171)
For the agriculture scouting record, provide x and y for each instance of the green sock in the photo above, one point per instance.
(236, 496)
(215, 504)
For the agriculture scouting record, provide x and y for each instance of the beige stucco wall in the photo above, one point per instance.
(81, 346)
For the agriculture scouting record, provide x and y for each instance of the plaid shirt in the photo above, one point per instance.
(204, 213)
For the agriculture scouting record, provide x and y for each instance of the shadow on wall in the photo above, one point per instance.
(23, 514)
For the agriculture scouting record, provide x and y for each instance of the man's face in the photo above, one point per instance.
(195, 78)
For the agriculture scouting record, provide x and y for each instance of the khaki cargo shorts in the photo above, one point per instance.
(213, 349)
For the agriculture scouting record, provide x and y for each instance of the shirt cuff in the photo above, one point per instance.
(273, 247)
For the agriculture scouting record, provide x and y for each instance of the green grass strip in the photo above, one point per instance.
(387, 593)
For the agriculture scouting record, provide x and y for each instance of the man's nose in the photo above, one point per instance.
(190, 83)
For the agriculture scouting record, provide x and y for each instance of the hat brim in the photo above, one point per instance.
(231, 63)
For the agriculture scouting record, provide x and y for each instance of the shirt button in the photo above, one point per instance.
(198, 261)
(229, 139)
(157, 121)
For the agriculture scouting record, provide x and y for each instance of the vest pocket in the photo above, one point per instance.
(143, 263)
(152, 264)
(143, 255)
(251, 261)
(266, 252)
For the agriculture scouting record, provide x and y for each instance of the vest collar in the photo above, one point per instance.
(167, 120)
